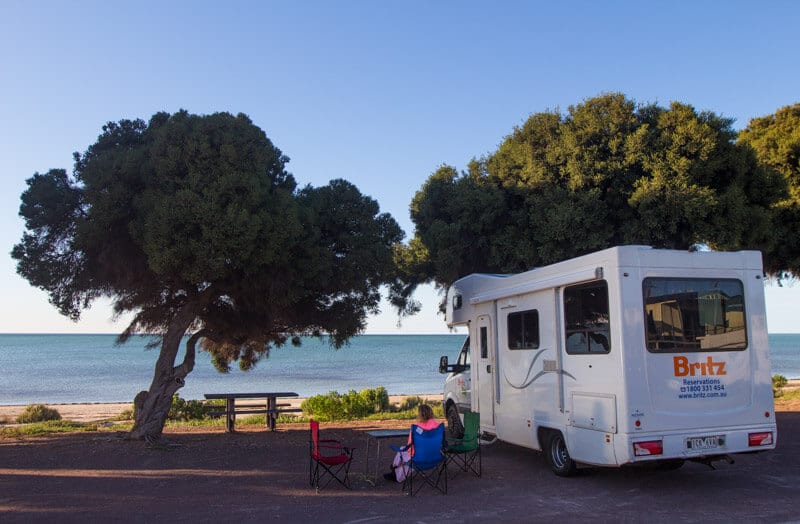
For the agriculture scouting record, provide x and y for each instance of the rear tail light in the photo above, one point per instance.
(759, 439)
(651, 447)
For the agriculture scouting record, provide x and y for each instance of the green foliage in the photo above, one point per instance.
(411, 403)
(351, 405)
(184, 410)
(407, 410)
(193, 221)
(778, 382)
(608, 172)
(125, 414)
(790, 395)
(365, 404)
(43, 428)
(376, 400)
(775, 139)
(38, 413)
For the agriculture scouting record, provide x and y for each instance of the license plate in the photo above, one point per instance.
(703, 443)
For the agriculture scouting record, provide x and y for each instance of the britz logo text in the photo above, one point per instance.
(684, 368)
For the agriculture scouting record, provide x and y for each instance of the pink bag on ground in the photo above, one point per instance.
(400, 468)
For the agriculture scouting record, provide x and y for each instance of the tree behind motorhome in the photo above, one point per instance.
(193, 224)
(776, 142)
(607, 173)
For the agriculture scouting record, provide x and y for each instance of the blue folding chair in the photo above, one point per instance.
(428, 462)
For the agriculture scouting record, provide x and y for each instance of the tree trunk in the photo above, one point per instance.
(152, 407)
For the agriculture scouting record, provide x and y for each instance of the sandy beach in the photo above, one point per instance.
(94, 412)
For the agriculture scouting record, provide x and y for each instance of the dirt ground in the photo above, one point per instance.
(256, 475)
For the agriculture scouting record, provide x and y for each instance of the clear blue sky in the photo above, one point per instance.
(380, 93)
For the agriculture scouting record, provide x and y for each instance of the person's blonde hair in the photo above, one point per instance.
(424, 412)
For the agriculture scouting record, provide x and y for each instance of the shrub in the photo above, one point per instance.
(778, 382)
(353, 404)
(186, 409)
(38, 413)
(324, 407)
(377, 398)
(410, 403)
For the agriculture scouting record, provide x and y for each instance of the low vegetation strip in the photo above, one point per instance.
(367, 404)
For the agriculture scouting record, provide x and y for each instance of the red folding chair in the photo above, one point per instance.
(328, 459)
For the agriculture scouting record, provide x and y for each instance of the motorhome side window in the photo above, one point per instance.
(586, 318)
(694, 314)
(523, 329)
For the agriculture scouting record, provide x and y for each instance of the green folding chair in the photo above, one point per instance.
(466, 451)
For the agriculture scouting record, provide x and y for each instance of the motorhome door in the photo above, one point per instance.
(486, 370)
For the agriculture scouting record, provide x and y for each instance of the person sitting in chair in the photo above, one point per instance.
(424, 421)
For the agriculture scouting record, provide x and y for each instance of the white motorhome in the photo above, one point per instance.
(628, 355)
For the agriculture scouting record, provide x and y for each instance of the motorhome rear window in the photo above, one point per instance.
(694, 314)
(586, 326)
(523, 329)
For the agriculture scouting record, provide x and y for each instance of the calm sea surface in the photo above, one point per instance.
(60, 369)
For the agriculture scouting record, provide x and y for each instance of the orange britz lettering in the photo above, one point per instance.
(684, 368)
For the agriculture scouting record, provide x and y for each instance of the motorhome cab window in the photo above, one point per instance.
(463, 356)
(523, 330)
(694, 314)
(586, 320)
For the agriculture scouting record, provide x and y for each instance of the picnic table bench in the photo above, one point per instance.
(271, 407)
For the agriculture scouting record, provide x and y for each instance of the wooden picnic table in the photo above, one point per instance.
(271, 408)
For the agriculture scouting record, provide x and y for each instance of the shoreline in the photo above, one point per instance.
(101, 411)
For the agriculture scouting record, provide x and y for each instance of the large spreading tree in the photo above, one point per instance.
(775, 139)
(193, 224)
(608, 172)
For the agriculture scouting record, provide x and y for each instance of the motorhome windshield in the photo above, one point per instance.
(694, 314)
(463, 356)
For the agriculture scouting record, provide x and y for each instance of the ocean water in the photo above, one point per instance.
(62, 369)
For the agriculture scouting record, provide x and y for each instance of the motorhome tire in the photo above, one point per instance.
(558, 456)
(454, 426)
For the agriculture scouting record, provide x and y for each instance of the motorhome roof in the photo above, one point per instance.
(480, 287)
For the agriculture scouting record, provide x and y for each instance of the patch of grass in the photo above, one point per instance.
(43, 428)
(207, 422)
(791, 394)
(124, 415)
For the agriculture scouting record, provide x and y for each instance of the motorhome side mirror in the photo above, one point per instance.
(443, 364)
